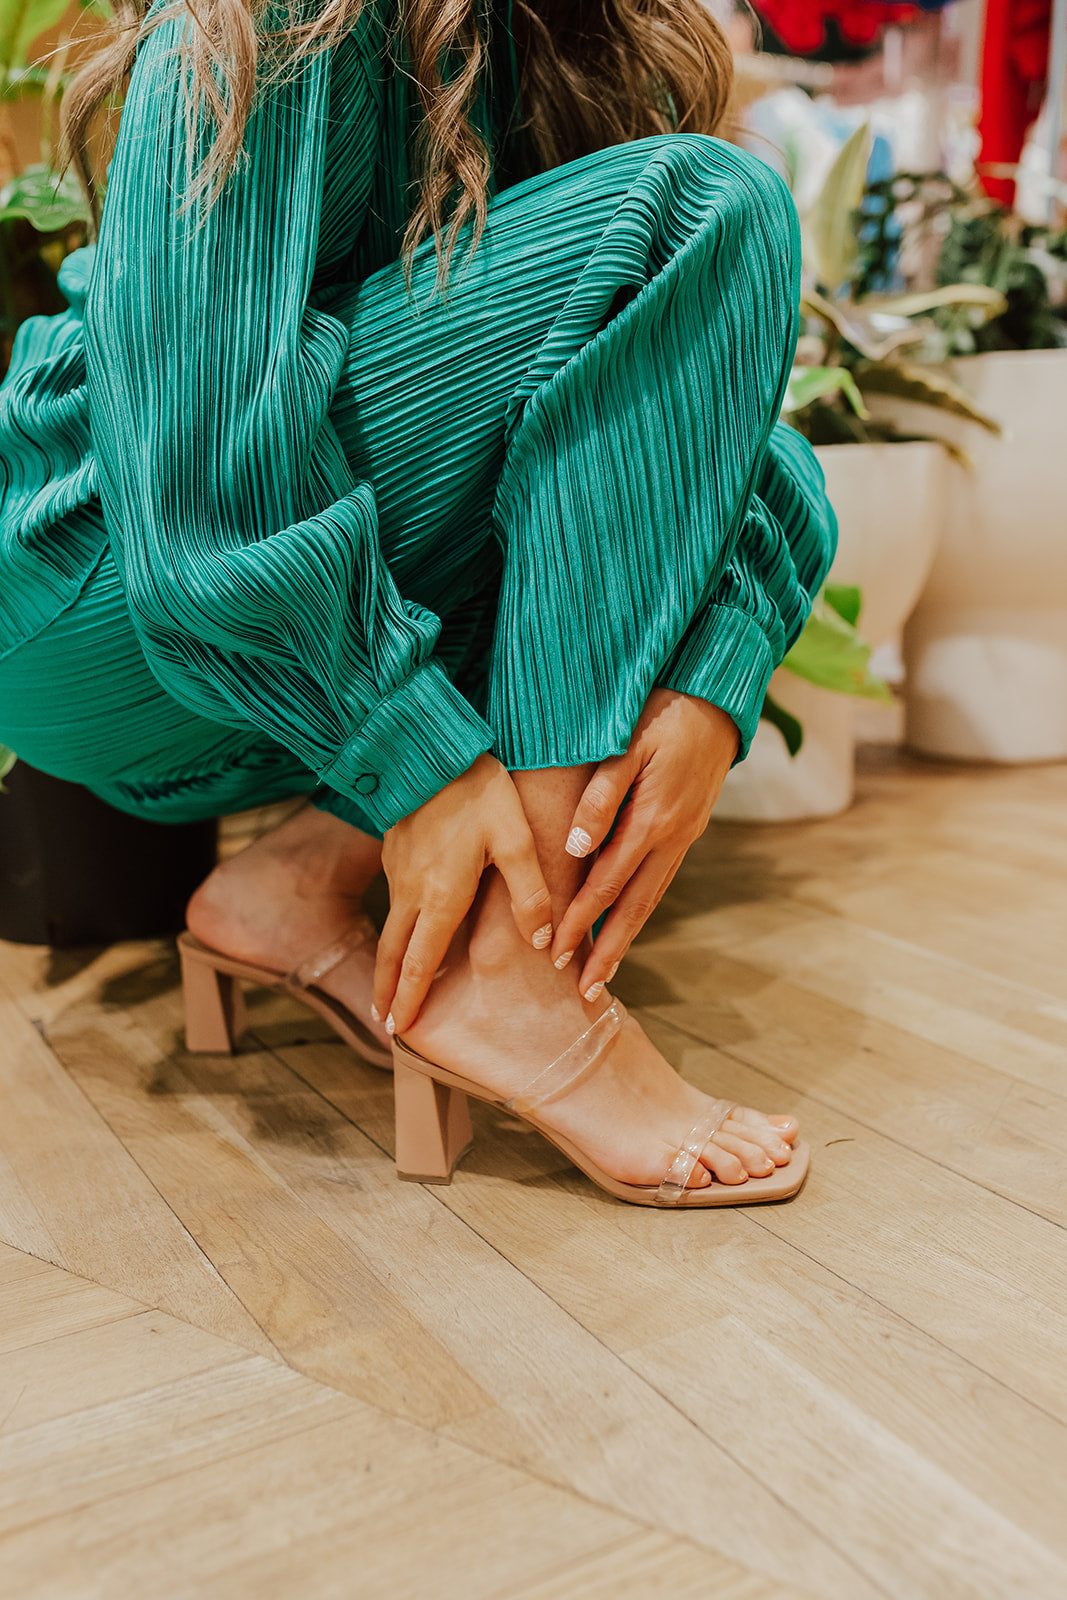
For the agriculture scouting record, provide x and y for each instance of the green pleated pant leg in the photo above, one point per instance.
(591, 399)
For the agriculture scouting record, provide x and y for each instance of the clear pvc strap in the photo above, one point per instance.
(317, 966)
(684, 1164)
(574, 1064)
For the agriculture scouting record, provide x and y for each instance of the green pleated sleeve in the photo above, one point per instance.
(248, 551)
(759, 607)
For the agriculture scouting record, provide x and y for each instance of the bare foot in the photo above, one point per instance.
(499, 1012)
(291, 894)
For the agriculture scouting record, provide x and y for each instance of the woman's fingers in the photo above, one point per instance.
(609, 876)
(396, 934)
(515, 858)
(426, 950)
(626, 919)
(599, 805)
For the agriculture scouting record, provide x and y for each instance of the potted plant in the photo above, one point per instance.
(43, 216)
(986, 649)
(886, 484)
(72, 869)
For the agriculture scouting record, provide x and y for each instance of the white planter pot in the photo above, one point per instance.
(889, 501)
(986, 649)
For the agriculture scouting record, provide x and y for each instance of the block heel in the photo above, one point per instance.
(214, 1006)
(433, 1126)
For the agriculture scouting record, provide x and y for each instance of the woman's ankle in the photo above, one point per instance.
(312, 854)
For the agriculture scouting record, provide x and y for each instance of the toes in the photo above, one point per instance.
(753, 1157)
(774, 1135)
(723, 1163)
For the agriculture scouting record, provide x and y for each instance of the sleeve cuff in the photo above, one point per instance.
(413, 743)
(727, 661)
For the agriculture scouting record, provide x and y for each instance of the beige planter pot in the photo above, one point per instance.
(986, 649)
(889, 501)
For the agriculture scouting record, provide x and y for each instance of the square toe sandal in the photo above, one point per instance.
(214, 1004)
(433, 1127)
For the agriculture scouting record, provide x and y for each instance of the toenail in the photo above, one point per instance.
(376, 1015)
(594, 992)
(579, 843)
(390, 1025)
(543, 937)
(563, 960)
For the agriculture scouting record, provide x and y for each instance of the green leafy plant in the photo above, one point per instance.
(974, 240)
(1026, 264)
(830, 654)
(857, 343)
(43, 216)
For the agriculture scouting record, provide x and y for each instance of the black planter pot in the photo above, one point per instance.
(76, 871)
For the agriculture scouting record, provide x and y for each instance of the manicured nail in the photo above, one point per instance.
(375, 1014)
(594, 992)
(563, 960)
(579, 843)
(543, 937)
(614, 970)
(390, 1025)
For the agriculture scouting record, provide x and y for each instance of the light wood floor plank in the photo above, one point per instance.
(58, 1148)
(1011, 1028)
(644, 1565)
(960, 1114)
(52, 1378)
(38, 1302)
(969, 864)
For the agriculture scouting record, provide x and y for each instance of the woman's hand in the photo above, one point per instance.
(434, 860)
(681, 750)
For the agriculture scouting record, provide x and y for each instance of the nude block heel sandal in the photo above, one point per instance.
(214, 1005)
(433, 1126)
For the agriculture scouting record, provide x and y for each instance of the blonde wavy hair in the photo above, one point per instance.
(593, 73)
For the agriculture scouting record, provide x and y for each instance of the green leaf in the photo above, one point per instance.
(808, 384)
(846, 599)
(875, 334)
(984, 299)
(7, 761)
(831, 221)
(48, 203)
(831, 654)
(21, 21)
(906, 380)
(785, 722)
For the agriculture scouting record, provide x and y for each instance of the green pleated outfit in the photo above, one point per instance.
(267, 528)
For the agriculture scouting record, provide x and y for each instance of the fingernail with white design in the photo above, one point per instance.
(390, 1025)
(376, 1015)
(543, 937)
(594, 992)
(563, 960)
(579, 843)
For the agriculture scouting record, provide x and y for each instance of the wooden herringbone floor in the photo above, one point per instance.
(238, 1359)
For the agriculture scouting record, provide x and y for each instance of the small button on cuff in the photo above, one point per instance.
(366, 783)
